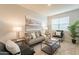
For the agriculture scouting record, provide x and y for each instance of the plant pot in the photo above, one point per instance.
(73, 41)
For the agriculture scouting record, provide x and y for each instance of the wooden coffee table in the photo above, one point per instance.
(50, 46)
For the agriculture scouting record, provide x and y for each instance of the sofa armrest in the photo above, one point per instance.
(4, 53)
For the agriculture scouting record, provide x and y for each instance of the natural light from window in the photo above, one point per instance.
(60, 23)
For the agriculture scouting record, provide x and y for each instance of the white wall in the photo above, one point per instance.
(12, 16)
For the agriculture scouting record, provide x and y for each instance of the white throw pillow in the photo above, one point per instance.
(58, 33)
(33, 34)
(12, 47)
(43, 35)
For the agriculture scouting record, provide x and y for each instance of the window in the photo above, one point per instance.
(60, 23)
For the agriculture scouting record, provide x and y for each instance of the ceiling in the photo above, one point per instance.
(48, 10)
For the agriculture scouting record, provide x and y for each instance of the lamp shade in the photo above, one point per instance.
(18, 29)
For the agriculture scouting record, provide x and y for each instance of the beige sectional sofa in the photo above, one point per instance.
(34, 38)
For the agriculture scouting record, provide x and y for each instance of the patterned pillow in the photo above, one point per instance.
(37, 34)
(58, 33)
(33, 35)
(12, 47)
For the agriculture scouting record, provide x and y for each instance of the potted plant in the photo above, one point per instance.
(72, 29)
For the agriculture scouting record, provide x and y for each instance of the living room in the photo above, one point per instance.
(30, 29)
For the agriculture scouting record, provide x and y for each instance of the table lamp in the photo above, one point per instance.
(18, 30)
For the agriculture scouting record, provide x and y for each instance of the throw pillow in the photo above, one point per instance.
(43, 35)
(12, 47)
(37, 34)
(33, 35)
(58, 33)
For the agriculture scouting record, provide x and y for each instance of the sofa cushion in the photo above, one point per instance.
(2, 46)
(4, 53)
(12, 47)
